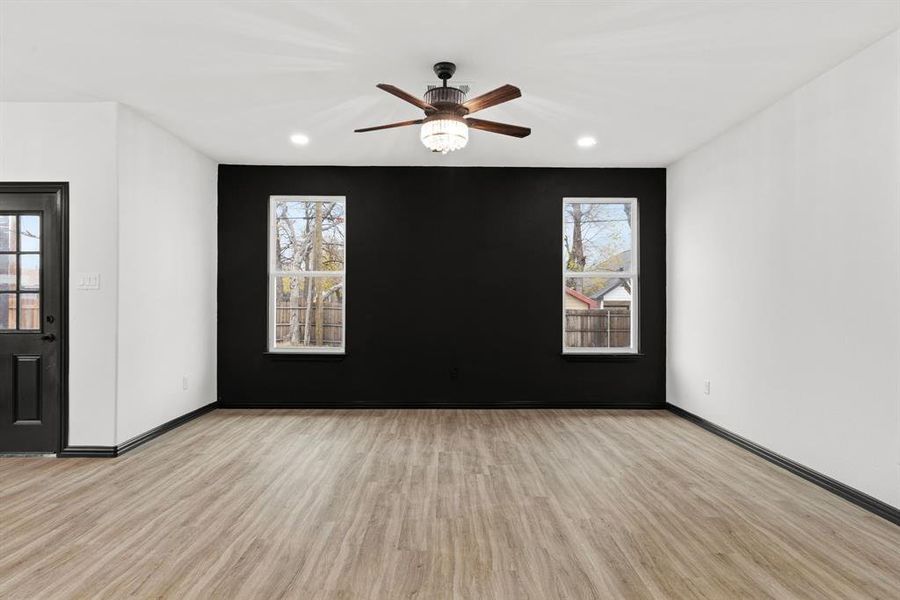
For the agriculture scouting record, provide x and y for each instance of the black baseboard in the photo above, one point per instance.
(167, 426)
(427, 405)
(861, 499)
(113, 451)
(87, 452)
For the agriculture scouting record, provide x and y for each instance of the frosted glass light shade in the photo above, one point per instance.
(445, 135)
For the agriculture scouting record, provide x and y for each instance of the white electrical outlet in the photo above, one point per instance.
(706, 387)
(184, 382)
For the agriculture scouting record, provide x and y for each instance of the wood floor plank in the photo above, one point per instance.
(434, 504)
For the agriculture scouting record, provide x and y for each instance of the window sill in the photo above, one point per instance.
(306, 356)
(602, 356)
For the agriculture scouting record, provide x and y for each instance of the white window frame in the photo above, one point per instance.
(632, 274)
(273, 273)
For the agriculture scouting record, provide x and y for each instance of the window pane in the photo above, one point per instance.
(7, 272)
(598, 312)
(29, 311)
(30, 279)
(7, 233)
(7, 311)
(30, 233)
(597, 237)
(309, 312)
(310, 236)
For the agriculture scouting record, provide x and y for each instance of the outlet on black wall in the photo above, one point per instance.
(477, 254)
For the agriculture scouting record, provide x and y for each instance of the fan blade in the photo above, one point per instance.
(495, 127)
(390, 89)
(499, 96)
(391, 126)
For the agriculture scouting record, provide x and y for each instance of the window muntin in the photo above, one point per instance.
(307, 274)
(600, 275)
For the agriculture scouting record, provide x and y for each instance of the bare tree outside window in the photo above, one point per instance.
(307, 265)
(599, 274)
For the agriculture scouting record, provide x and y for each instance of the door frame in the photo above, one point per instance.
(61, 190)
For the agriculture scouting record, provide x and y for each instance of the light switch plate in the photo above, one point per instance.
(88, 281)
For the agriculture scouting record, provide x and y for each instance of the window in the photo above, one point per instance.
(600, 275)
(20, 272)
(307, 281)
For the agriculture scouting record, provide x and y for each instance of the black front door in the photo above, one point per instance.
(30, 319)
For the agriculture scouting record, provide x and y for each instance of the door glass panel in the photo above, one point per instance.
(20, 272)
(29, 311)
(7, 233)
(30, 278)
(7, 272)
(30, 233)
(7, 311)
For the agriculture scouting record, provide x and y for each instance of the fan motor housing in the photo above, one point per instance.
(445, 95)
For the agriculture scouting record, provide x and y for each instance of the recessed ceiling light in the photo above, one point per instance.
(300, 139)
(586, 142)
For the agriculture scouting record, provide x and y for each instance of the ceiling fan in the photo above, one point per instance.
(446, 124)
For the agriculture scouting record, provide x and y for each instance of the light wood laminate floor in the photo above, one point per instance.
(434, 504)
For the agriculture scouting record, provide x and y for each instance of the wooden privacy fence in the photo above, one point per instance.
(588, 328)
(332, 324)
(598, 328)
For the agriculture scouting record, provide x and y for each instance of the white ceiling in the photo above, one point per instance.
(650, 80)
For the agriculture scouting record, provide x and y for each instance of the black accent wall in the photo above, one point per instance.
(453, 290)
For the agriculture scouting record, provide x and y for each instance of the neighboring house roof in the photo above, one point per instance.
(579, 296)
(616, 262)
(610, 286)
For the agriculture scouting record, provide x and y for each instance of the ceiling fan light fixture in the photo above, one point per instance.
(447, 121)
(445, 135)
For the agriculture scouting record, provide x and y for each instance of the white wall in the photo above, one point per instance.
(167, 277)
(143, 216)
(803, 198)
(77, 143)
